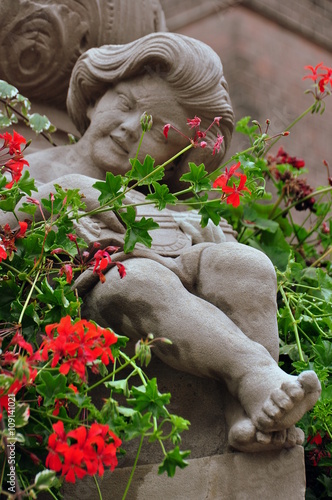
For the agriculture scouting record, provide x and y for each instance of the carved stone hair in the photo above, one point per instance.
(190, 67)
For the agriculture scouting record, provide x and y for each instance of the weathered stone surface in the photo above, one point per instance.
(45, 38)
(278, 475)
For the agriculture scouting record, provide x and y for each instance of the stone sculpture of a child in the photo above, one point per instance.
(215, 300)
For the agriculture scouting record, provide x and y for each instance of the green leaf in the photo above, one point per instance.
(51, 386)
(137, 230)
(148, 398)
(118, 386)
(173, 459)
(79, 400)
(211, 210)
(323, 350)
(140, 171)
(5, 121)
(22, 413)
(109, 189)
(138, 426)
(39, 123)
(161, 196)
(28, 208)
(243, 128)
(44, 479)
(27, 183)
(276, 248)
(7, 90)
(197, 177)
(249, 213)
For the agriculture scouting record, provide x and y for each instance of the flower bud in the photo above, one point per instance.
(146, 122)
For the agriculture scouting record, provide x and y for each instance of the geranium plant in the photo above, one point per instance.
(51, 429)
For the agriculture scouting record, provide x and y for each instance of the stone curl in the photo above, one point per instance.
(191, 67)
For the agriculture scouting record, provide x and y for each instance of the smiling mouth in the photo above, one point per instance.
(122, 145)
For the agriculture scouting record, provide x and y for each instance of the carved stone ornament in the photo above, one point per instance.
(40, 40)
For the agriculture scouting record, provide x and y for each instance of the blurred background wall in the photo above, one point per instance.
(264, 46)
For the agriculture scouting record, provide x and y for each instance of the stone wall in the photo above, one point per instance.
(310, 18)
(264, 65)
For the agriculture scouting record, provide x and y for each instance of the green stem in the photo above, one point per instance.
(296, 332)
(52, 494)
(133, 468)
(215, 173)
(276, 205)
(328, 430)
(110, 375)
(308, 110)
(97, 486)
(28, 298)
(160, 167)
(325, 254)
(26, 120)
(3, 470)
(315, 193)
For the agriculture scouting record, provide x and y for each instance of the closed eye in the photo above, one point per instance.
(124, 103)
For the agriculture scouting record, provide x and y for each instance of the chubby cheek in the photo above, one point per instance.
(105, 123)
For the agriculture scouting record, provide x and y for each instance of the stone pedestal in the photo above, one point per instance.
(213, 473)
(232, 476)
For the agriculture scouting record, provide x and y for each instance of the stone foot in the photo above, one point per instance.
(285, 406)
(244, 436)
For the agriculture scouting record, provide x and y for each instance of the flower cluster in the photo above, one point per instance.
(12, 160)
(283, 158)
(100, 260)
(74, 344)
(8, 238)
(82, 451)
(318, 450)
(231, 193)
(17, 370)
(199, 135)
(321, 75)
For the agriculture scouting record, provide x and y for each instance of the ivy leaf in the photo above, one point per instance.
(51, 386)
(10, 200)
(44, 479)
(161, 196)
(80, 400)
(22, 413)
(138, 426)
(141, 170)
(118, 386)
(27, 183)
(137, 230)
(173, 459)
(39, 123)
(7, 90)
(148, 398)
(28, 208)
(197, 177)
(5, 121)
(110, 189)
(211, 210)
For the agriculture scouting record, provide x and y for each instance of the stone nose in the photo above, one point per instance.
(131, 126)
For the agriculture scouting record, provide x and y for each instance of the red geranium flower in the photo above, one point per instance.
(223, 179)
(235, 192)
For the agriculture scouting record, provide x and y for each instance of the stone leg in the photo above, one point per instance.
(241, 282)
(206, 342)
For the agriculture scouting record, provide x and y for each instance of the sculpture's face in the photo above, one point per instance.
(115, 128)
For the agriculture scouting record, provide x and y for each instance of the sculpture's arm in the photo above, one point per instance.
(72, 181)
